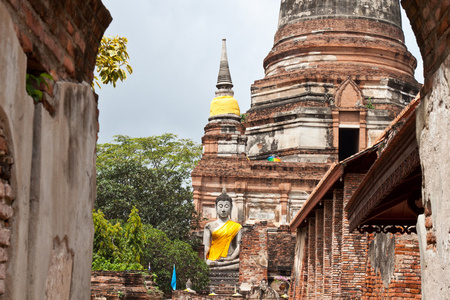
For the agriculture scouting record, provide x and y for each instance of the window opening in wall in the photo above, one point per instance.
(348, 142)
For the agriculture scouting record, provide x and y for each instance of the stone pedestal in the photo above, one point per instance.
(224, 282)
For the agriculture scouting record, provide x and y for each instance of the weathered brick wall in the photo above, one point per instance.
(354, 250)
(253, 255)
(49, 236)
(281, 250)
(181, 295)
(311, 262)
(338, 210)
(351, 265)
(6, 211)
(60, 37)
(111, 285)
(393, 267)
(430, 21)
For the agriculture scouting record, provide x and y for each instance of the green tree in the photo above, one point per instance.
(118, 248)
(112, 61)
(129, 246)
(151, 174)
(162, 254)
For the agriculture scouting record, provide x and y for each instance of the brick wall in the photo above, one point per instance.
(430, 21)
(60, 37)
(354, 251)
(181, 295)
(338, 209)
(311, 263)
(253, 255)
(393, 273)
(351, 265)
(281, 250)
(6, 211)
(123, 285)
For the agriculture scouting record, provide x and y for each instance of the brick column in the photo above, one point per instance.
(327, 247)
(311, 257)
(354, 247)
(336, 242)
(303, 286)
(285, 188)
(319, 253)
(241, 190)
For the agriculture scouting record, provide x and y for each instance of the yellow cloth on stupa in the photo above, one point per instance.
(221, 239)
(224, 105)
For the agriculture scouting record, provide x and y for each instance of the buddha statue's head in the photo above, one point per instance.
(224, 205)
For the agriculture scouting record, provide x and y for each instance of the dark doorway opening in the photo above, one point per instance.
(348, 142)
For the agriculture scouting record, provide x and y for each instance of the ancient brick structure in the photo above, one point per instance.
(110, 285)
(334, 80)
(333, 261)
(59, 37)
(254, 259)
(329, 60)
(336, 77)
(47, 150)
(430, 22)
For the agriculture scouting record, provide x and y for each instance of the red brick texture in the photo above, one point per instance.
(405, 279)
(430, 21)
(336, 239)
(310, 287)
(281, 250)
(6, 211)
(60, 37)
(353, 252)
(122, 285)
(338, 264)
(253, 256)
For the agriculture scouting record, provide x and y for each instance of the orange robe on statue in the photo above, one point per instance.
(221, 239)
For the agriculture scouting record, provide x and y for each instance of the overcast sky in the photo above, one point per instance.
(174, 49)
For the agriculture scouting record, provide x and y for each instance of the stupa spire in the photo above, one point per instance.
(224, 103)
(224, 84)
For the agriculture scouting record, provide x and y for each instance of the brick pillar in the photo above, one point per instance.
(319, 253)
(354, 247)
(336, 242)
(300, 269)
(304, 271)
(327, 247)
(241, 190)
(284, 188)
(253, 256)
(311, 257)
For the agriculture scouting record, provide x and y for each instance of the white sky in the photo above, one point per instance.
(174, 48)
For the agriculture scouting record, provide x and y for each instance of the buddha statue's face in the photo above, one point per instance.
(223, 209)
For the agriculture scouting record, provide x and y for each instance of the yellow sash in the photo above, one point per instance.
(221, 239)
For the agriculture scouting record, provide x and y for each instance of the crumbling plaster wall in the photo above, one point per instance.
(16, 112)
(52, 178)
(434, 146)
(430, 22)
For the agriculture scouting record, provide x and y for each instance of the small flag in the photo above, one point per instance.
(174, 279)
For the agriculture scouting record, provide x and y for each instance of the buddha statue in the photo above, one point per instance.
(222, 237)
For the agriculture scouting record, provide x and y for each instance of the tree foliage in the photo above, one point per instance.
(112, 61)
(151, 174)
(162, 254)
(129, 246)
(118, 248)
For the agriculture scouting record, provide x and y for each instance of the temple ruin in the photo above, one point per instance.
(337, 76)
